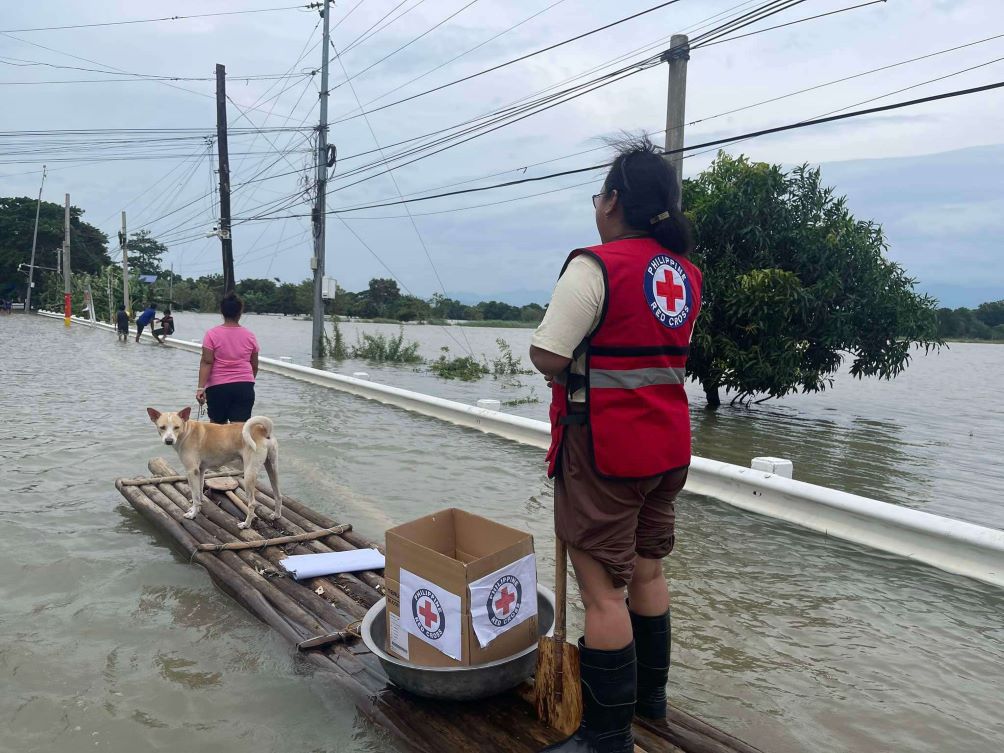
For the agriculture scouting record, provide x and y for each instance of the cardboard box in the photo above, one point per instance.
(470, 590)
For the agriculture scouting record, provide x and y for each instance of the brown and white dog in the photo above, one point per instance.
(203, 445)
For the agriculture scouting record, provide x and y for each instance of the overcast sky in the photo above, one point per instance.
(931, 174)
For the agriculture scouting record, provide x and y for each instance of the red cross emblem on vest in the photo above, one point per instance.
(668, 289)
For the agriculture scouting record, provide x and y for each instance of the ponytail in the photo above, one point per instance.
(648, 191)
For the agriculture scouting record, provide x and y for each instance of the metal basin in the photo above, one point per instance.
(457, 683)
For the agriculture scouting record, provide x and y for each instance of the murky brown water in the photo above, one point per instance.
(110, 641)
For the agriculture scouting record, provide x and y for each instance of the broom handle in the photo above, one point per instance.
(560, 583)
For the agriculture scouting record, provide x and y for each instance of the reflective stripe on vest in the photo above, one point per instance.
(632, 379)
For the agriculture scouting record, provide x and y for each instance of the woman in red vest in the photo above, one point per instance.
(613, 344)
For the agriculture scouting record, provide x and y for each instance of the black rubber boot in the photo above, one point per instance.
(608, 701)
(651, 640)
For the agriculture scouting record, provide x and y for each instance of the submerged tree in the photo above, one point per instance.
(793, 283)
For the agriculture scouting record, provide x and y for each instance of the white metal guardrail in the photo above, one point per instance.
(952, 545)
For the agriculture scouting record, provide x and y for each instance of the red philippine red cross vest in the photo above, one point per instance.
(635, 363)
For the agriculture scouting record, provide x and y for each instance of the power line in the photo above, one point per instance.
(466, 52)
(157, 20)
(399, 49)
(366, 36)
(508, 116)
(514, 60)
(792, 23)
(704, 145)
(407, 210)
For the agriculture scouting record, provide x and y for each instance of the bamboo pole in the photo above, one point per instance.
(309, 624)
(309, 536)
(225, 528)
(364, 587)
(172, 478)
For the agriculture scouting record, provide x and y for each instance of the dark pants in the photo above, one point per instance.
(230, 402)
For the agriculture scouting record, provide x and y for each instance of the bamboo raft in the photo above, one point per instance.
(320, 617)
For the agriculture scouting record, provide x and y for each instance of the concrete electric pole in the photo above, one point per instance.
(676, 104)
(224, 156)
(34, 243)
(317, 262)
(67, 301)
(124, 245)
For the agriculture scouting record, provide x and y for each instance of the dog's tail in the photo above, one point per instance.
(262, 421)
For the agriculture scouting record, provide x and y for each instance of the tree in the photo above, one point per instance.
(146, 253)
(383, 295)
(792, 282)
(88, 245)
(991, 313)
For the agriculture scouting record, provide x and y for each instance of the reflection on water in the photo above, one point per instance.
(791, 640)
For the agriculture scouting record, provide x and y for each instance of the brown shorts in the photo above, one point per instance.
(612, 521)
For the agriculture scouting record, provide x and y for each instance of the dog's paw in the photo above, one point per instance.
(244, 525)
(273, 515)
(192, 513)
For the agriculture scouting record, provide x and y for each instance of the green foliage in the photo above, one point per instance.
(986, 322)
(334, 346)
(792, 281)
(465, 368)
(146, 253)
(529, 399)
(88, 245)
(385, 349)
(506, 364)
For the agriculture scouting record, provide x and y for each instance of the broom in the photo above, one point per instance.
(557, 693)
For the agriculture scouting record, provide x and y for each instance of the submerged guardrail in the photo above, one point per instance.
(948, 544)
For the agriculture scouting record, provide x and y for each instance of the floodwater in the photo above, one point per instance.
(110, 641)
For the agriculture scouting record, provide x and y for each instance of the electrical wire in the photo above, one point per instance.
(389, 55)
(158, 20)
(716, 142)
(407, 210)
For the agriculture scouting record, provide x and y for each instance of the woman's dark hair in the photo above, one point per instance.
(231, 306)
(647, 189)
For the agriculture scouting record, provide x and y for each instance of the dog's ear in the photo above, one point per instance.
(184, 413)
(154, 414)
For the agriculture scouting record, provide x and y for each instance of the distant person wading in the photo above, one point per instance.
(613, 345)
(229, 366)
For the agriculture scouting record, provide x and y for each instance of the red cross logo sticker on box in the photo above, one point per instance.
(504, 599)
(430, 612)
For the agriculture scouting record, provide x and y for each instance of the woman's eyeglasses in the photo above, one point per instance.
(596, 199)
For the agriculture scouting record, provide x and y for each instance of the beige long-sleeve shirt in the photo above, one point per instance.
(573, 313)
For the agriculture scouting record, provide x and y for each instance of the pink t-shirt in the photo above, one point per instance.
(232, 348)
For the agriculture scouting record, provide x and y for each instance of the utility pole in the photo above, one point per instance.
(170, 288)
(124, 245)
(111, 299)
(34, 242)
(317, 262)
(89, 301)
(221, 144)
(67, 304)
(676, 104)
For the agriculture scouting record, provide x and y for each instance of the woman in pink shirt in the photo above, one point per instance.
(229, 366)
